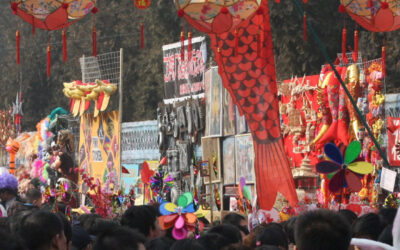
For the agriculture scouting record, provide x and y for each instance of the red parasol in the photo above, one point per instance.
(374, 15)
(52, 14)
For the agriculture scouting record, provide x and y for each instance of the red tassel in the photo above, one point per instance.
(18, 37)
(277, 1)
(48, 60)
(94, 42)
(236, 42)
(342, 9)
(182, 45)
(355, 53)
(305, 1)
(190, 46)
(384, 60)
(305, 27)
(370, 4)
(344, 36)
(384, 5)
(64, 41)
(14, 7)
(141, 36)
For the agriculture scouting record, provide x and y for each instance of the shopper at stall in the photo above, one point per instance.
(144, 219)
(9, 194)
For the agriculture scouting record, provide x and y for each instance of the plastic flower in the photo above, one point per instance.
(345, 170)
(180, 216)
(161, 182)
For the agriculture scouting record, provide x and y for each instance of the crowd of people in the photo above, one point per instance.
(26, 223)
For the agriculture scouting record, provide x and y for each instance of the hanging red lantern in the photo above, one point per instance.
(142, 4)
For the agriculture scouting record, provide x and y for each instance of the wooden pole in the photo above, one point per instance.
(121, 64)
(211, 193)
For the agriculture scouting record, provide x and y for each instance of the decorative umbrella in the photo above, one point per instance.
(345, 171)
(374, 15)
(53, 15)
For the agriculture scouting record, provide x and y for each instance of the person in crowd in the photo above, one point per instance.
(144, 219)
(272, 235)
(188, 244)
(386, 236)
(163, 243)
(322, 230)
(43, 230)
(121, 238)
(67, 229)
(101, 225)
(367, 226)
(35, 183)
(250, 239)
(238, 221)
(231, 233)
(33, 199)
(214, 241)
(8, 241)
(349, 215)
(80, 239)
(289, 230)
(387, 215)
(268, 247)
(9, 194)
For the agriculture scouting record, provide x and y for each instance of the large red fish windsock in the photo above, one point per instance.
(247, 70)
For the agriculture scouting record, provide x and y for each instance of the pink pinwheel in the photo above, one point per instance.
(345, 171)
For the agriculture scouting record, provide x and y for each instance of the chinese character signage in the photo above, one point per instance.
(183, 77)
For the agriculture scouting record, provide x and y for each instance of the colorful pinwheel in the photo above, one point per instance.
(180, 216)
(345, 171)
(161, 182)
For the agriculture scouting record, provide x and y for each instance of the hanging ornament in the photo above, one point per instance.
(48, 60)
(182, 45)
(355, 53)
(64, 42)
(190, 46)
(94, 33)
(18, 37)
(344, 37)
(142, 4)
(384, 59)
(141, 36)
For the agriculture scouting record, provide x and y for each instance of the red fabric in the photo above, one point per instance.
(141, 36)
(305, 27)
(384, 60)
(251, 81)
(344, 36)
(384, 20)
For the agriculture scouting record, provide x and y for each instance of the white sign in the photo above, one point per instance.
(388, 179)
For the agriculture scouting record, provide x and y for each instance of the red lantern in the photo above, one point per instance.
(142, 4)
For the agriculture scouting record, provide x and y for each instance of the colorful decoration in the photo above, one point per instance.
(82, 94)
(374, 15)
(249, 75)
(12, 147)
(344, 170)
(161, 183)
(180, 216)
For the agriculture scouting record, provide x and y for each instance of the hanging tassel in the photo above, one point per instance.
(384, 60)
(48, 60)
(18, 37)
(189, 46)
(141, 36)
(64, 42)
(355, 53)
(236, 42)
(305, 1)
(182, 45)
(344, 36)
(94, 42)
(305, 27)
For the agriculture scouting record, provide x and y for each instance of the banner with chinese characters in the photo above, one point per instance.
(184, 77)
(99, 144)
(139, 141)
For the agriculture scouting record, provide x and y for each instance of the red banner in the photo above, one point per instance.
(393, 131)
